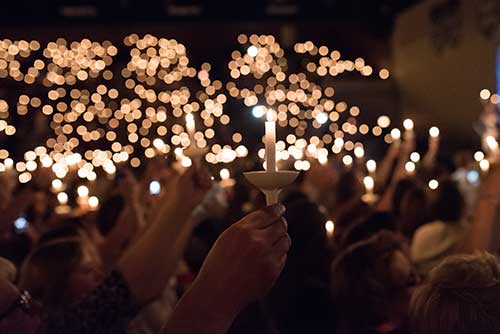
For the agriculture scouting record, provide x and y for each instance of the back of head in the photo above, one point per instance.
(45, 271)
(109, 213)
(461, 296)
(363, 288)
(348, 187)
(374, 223)
(402, 187)
(449, 203)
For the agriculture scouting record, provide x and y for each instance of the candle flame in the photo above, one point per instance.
(329, 226)
(408, 124)
(434, 132)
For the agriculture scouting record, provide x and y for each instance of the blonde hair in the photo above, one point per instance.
(461, 296)
(8, 270)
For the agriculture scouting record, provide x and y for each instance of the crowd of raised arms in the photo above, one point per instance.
(205, 257)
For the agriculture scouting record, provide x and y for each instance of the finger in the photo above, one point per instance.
(282, 246)
(274, 232)
(264, 217)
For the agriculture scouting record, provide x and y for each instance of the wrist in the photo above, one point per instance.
(216, 308)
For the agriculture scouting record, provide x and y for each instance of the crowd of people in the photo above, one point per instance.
(206, 257)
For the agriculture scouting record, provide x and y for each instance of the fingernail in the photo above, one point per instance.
(278, 210)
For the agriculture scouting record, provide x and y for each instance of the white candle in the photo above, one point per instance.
(190, 127)
(270, 142)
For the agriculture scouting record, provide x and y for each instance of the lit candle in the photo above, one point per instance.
(93, 202)
(57, 185)
(410, 167)
(492, 145)
(369, 184)
(270, 142)
(9, 163)
(190, 127)
(371, 166)
(224, 174)
(62, 197)
(83, 196)
(329, 227)
(359, 152)
(408, 125)
(83, 191)
(434, 132)
(396, 135)
(433, 184)
(484, 165)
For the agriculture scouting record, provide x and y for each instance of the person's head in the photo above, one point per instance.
(61, 271)
(109, 213)
(376, 222)
(371, 282)
(409, 205)
(449, 203)
(347, 188)
(461, 296)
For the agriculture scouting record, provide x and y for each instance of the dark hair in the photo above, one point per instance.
(460, 297)
(70, 229)
(376, 222)
(449, 204)
(348, 187)
(45, 271)
(109, 213)
(402, 187)
(362, 287)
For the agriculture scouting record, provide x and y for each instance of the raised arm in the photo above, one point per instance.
(242, 266)
(479, 238)
(430, 157)
(147, 265)
(385, 167)
(385, 203)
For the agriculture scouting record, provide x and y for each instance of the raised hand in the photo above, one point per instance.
(490, 185)
(249, 256)
(189, 189)
(242, 266)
